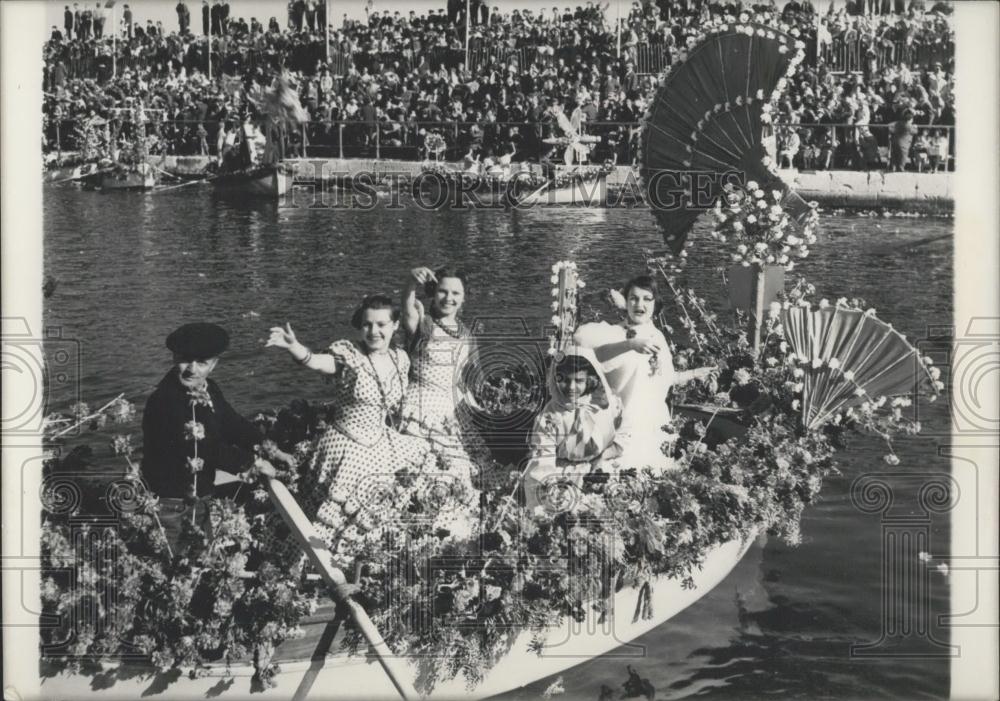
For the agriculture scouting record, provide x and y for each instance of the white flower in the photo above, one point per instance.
(758, 194)
(773, 309)
(924, 557)
(776, 194)
(555, 320)
(798, 372)
(741, 249)
(751, 219)
(761, 204)
(890, 459)
(817, 363)
(742, 377)
(556, 267)
(771, 362)
(737, 226)
(943, 569)
(935, 373)
(798, 387)
(752, 185)
(554, 279)
(555, 306)
(760, 246)
(824, 303)
(834, 363)
(796, 404)
(848, 375)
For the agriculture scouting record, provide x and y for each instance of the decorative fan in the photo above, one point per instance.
(708, 117)
(849, 357)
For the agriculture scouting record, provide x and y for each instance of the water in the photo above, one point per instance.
(130, 268)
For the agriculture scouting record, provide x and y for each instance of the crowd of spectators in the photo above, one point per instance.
(387, 82)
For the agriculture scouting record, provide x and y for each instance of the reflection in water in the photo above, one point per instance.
(780, 626)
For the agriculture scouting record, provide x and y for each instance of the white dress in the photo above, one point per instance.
(642, 382)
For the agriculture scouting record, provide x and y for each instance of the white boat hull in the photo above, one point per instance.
(592, 193)
(340, 676)
(272, 183)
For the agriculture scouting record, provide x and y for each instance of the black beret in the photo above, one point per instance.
(198, 341)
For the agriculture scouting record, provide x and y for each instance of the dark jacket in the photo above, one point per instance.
(228, 443)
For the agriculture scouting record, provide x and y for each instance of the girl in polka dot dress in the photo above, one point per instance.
(440, 346)
(352, 483)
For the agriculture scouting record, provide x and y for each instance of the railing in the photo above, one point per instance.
(852, 54)
(864, 147)
(358, 139)
(820, 146)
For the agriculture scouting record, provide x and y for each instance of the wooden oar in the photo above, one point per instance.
(322, 559)
(177, 187)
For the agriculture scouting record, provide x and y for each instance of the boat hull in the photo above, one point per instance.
(341, 676)
(590, 193)
(272, 183)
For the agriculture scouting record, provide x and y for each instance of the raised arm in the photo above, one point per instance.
(411, 310)
(285, 338)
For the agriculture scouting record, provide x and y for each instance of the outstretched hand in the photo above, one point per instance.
(281, 337)
(423, 275)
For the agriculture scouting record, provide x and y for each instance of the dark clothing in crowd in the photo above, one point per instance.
(228, 443)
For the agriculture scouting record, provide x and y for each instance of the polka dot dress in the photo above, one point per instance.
(353, 472)
(429, 410)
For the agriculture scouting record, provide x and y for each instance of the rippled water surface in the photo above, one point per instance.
(131, 267)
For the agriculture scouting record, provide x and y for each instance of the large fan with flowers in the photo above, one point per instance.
(849, 357)
(704, 126)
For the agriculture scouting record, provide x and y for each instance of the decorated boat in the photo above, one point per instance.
(137, 176)
(448, 611)
(584, 186)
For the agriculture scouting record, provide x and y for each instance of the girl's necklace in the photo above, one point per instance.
(456, 333)
(394, 422)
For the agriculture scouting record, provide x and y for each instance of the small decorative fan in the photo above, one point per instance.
(849, 357)
(708, 117)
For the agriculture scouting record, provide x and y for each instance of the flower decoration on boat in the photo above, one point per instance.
(566, 284)
(759, 230)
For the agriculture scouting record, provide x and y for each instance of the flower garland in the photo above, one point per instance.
(565, 286)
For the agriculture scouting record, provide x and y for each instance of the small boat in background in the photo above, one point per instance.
(271, 181)
(138, 176)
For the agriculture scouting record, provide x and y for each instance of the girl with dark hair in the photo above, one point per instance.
(636, 357)
(575, 431)
(440, 346)
(361, 452)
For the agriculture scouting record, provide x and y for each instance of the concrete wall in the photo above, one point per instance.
(832, 188)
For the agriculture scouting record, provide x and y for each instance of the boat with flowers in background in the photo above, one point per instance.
(411, 608)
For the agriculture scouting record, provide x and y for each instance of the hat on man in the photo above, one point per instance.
(198, 340)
